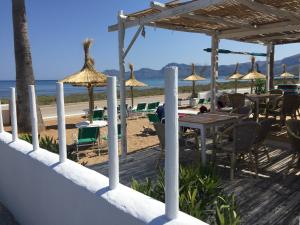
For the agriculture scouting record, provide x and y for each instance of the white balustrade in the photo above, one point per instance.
(13, 114)
(34, 119)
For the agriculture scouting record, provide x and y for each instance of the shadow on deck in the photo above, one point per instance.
(270, 199)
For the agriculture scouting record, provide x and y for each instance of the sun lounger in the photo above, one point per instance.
(153, 118)
(98, 114)
(152, 107)
(87, 136)
(119, 133)
(141, 107)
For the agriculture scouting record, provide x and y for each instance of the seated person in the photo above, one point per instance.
(160, 112)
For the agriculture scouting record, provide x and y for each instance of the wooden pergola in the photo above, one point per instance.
(267, 22)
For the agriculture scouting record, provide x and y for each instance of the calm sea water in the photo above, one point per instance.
(47, 87)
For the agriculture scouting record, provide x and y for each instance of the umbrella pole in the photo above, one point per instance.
(131, 90)
(235, 86)
(251, 86)
(90, 91)
(194, 93)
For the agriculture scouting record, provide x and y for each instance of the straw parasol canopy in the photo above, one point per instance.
(87, 76)
(285, 75)
(235, 76)
(253, 75)
(194, 77)
(133, 82)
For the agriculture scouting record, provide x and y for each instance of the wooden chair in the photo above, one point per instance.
(293, 130)
(244, 135)
(237, 100)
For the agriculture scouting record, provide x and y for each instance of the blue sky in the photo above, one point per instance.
(58, 27)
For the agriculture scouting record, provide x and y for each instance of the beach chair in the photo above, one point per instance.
(153, 118)
(98, 114)
(157, 104)
(141, 107)
(119, 133)
(201, 101)
(87, 136)
(152, 107)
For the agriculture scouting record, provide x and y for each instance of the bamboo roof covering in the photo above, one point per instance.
(286, 74)
(253, 75)
(194, 76)
(257, 21)
(132, 81)
(236, 75)
(87, 76)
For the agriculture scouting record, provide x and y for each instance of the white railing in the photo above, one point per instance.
(171, 134)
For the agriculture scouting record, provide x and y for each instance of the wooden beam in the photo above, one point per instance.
(274, 38)
(268, 9)
(176, 11)
(264, 29)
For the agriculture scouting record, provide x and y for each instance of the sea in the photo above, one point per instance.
(48, 87)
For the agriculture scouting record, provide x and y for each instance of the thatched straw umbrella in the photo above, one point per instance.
(253, 75)
(235, 76)
(285, 75)
(132, 82)
(87, 77)
(194, 77)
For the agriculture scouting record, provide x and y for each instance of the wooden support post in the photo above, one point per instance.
(172, 145)
(214, 70)
(270, 66)
(1, 119)
(34, 119)
(112, 133)
(13, 114)
(123, 112)
(61, 122)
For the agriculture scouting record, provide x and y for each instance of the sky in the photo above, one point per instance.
(57, 29)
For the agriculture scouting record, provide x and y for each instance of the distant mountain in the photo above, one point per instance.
(292, 63)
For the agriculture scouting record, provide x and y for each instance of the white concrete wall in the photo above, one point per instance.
(40, 191)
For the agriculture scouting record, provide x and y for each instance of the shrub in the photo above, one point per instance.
(200, 195)
(48, 143)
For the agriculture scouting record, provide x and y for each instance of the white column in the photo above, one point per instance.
(214, 70)
(171, 145)
(112, 133)
(1, 119)
(61, 122)
(123, 112)
(34, 119)
(299, 71)
(13, 114)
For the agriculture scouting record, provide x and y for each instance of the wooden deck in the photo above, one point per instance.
(270, 199)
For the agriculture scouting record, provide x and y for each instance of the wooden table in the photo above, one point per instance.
(258, 97)
(205, 120)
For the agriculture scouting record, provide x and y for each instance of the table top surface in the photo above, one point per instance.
(210, 118)
(96, 123)
(266, 95)
(187, 111)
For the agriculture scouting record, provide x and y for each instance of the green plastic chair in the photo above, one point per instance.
(157, 104)
(87, 136)
(152, 107)
(201, 101)
(119, 133)
(141, 107)
(153, 118)
(98, 114)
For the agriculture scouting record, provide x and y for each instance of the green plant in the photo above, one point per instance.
(260, 86)
(200, 194)
(48, 143)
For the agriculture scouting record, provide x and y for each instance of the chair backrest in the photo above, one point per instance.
(245, 110)
(237, 100)
(88, 132)
(160, 131)
(293, 130)
(119, 129)
(201, 101)
(141, 106)
(153, 118)
(264, 130)
(152, 106)
(244, 135)
(276, 91)
(98, 114)
(290, 104)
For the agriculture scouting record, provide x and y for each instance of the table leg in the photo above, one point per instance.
(203, 145)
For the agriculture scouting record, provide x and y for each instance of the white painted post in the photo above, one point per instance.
(61, 122)
(123, 112)
(269, 52)
(214, 70)
(1, 119)
(112, 133)
(172, 145)
(299, 71)
(13, 115)
(34, 120)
